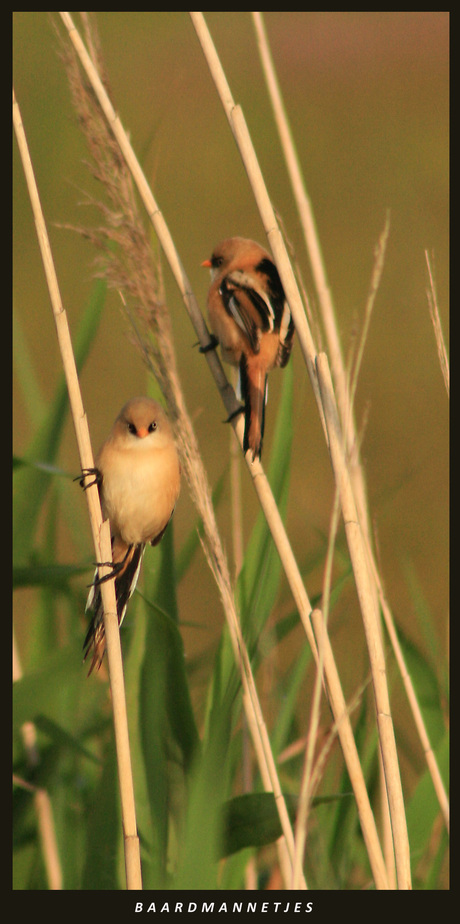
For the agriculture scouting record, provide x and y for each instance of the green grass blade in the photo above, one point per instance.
(201, 836)
(54, 576)
(423, 808)
(100, 870)
(168, 734)
(259, 578)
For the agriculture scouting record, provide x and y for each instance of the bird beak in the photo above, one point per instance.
(207, 263)
(142, 432)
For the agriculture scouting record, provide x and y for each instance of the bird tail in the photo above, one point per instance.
(253, 388)
(126, 569)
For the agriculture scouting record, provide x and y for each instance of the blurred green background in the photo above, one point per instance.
(367, 97)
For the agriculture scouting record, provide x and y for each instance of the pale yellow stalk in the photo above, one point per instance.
(100, 529)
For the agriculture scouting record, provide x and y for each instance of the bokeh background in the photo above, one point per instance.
(367, 97)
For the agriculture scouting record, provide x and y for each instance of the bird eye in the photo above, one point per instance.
(152, 426)
(217, 261)
(132, 428)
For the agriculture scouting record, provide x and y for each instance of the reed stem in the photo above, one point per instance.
(100, 529)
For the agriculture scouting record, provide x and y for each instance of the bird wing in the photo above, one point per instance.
(281, 309)
(286, 336)
(249, 306)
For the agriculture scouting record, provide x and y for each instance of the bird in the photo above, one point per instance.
(138, 474)
(251, 320)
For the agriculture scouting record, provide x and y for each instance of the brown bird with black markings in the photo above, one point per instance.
(251, 320)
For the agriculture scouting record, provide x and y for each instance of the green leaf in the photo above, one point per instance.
(252, 820)
(426, 686)
(55, 576)
(168, 734)
(423, 808)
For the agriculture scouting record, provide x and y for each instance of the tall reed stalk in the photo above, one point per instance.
(362, 578)
(364, 584)
(100, 529)
(345, 385)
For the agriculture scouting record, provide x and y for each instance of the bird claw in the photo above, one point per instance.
(239, 410)
(213, 343)
(114, 570)
(84, 473)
